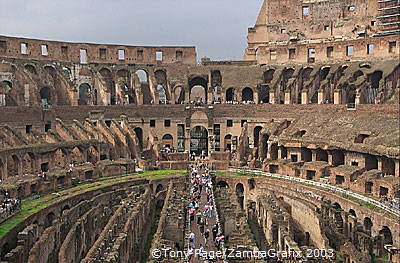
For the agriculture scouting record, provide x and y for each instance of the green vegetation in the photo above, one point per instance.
(33, 205)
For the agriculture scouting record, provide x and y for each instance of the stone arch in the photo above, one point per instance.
(368, 225)
(216, 78)
(252, 183)
(159, 188)
(323, 72)
(92, 154)
(240, 194)
(30, 68)
(230, 94)
(199, 140)
(139, 135)
(76, 156)
(28, 163)
(13, 163)
(247, 94)
(256, 135)
(228, 142)
(107, 78)
(124, 94)
(84, 92)
(143, 84)
(162, 86)
(49, 220)
(46, 95)
(168, 140)
(386, 235)
(268, 76)
(179, 94)
(306, 73)
(322, 155)
(8, 95)
(198, 89)
(264, 94)
(352, 212)
(223, 184)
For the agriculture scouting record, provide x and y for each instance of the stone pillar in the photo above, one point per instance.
(2, 100)
(397, 168)
(255, 97)
(358, 99)
(287, 97)
(26, 94)
(330, 158)
(320, 96)
(313, 155)
(337, 97)
(272, 97)
(187, 95)
(304, 97)
(379, 164)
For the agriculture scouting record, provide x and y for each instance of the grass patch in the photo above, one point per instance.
(33, 205)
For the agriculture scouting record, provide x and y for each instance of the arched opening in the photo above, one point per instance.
(162, 94)
(92, 155)
(45, 95)
(252, 183)
(222, 184)
(28, 163)
(159, 188)
(268, 76)
(353, 213)
(168, 141)
(6, 94)
(256, 135)
(76, 156)
(199, 140)
(125, 92)
(240, 194)
(264, 94)
(306, 73)
(161, 80)
(323, 73)
(198, 89)
(13, 163)
(49, 219)
(368, 225)
(247, 95)
(31, 69)
(216, 83)
(228, 142)
(386, 235)
(264, 145)
(108, 82)
(371, 162)
(368, 187)
(84, 94)
(322, 155)
(179, 94)
(142, 83)
(230, 95)
(388, 166)
(139, 135)
(351, 94)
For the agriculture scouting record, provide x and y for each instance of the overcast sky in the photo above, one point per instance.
(218, 28)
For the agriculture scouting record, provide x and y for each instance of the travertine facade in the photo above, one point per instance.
(300, 31)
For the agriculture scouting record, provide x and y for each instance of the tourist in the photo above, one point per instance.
(206, 236)
(214, 231)
(192, 240)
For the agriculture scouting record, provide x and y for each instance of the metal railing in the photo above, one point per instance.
(332, 188)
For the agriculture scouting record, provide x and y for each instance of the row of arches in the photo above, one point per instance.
(30, 163)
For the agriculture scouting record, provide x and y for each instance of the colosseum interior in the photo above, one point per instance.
(301, 137)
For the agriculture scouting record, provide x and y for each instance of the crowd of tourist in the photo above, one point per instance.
(201, 212)
(8, 206)
(392, 203)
